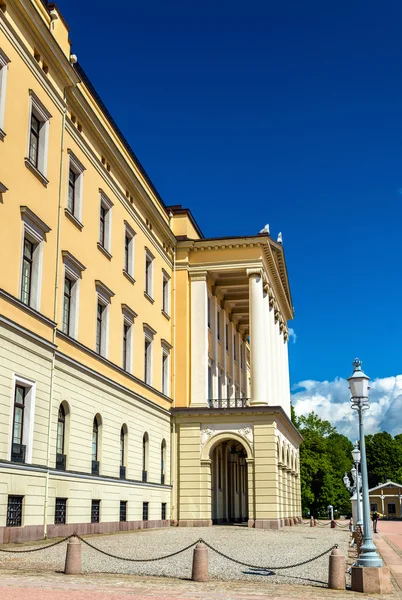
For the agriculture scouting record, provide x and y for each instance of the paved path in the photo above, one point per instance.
(389, 543)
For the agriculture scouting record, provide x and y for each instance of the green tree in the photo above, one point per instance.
(384, 458)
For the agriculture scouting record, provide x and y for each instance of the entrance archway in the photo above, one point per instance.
(229, 483)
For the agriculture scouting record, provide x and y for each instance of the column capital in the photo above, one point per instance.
(254, 272)
(198, 275)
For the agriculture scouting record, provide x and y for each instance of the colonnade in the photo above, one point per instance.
(288, 494)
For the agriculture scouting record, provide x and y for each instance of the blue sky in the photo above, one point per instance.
(288, 113)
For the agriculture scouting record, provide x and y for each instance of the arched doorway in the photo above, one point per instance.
(229, 483)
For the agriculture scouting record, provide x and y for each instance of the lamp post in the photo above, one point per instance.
(356, 455)
(359, 387)
(355, 489)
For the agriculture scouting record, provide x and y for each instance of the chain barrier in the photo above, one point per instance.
(239, 562)
(138, 559)
(39, 548)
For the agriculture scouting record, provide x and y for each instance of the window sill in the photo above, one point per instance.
(2, 135)
(165, 315)
(128, 276)
(148, 297)
(35, 172)
(104, 251)
(73, 219)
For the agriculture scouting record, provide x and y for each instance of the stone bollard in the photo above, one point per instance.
(200, 563)
(73, 557)
(312, 522)
(315, 522)
(336, 573)
(333, 524)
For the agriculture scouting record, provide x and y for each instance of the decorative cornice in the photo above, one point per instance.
(69, 257)
(104, 289)
(27, 213)
(129, 311)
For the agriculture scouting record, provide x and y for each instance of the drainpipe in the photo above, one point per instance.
(173, 448)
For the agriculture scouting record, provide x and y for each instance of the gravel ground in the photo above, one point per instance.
(253, 546)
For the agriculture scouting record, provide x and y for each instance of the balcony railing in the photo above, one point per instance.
(122, 472)
(18, 453)
(61, 462)
(228, 402)
(95, 467)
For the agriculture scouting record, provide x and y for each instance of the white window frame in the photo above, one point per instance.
(165, 293)
(42, 114)
(29, 414)
(165, 371)
(103, 296)
(107, 205)
(129, 233)
(78, 168)
(35, 230)
(73, 271)
(4, 62)
(149, 335)
(220, 383)
(128, 319)
(149, 274)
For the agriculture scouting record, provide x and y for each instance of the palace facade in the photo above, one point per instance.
(144, 376)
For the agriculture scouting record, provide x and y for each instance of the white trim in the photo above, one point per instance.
(29, 414)
(107, 204)
(4, 60)
(165, 300)
(165, 387)
(130, 233)
(149, 275)
(78, 168)
(36, 107)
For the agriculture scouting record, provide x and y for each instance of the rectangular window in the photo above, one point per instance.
(391, 509)
(75, 186)
(34, 141)
(218, 324)
(95, 511)
(27, 265)
(68, 285)
(163, 515)
(102, 225)
(126, 346)
(38, 137)
(123, 511)
(72, 181)
(60, 511)
(4, 60)
(148, 361)
(105, 223)
(373, 507)
(14, 511)
(99, 326)
(165, 373)
(145, 506)
(227, 336)
(165, 293)
(149, 259)
(18, 448)
(128, 250)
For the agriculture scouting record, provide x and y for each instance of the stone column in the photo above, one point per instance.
(257, 338)
(284, 496)
(286, 381)
(214, 336)
(199, 339)
(273, 354)
(268, 352)
(250, 491)
(280, 486)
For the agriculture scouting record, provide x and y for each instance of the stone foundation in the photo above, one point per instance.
(30, 533)
(195, 523)
(267, 524)
(371, 580)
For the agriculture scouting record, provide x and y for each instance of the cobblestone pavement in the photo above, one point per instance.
(254, 546)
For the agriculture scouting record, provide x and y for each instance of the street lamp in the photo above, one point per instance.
(355, 488)
(359, 387)
(356, 455)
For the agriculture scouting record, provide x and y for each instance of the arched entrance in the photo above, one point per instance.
(229, 483)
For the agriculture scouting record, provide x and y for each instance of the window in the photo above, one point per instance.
(75, 186)
(165, 293)
(163, 512)
(149, 261)
(61, 429)
(18, 448)
(34, 233)
(95, 445)
(60, 512)
(163, 461)
(129, 234)
(128, 325)
(145, 506)
(148, 347)
(68, 284)
(126, 342)
(373, 507)
(38, 138)
(391, 509)
(123, 511)
(218, 324)
(105, 223)
(165, 372)
(14, 511)
(102, 318)
(72, 274)
(145, 449)
(3, 82)
(123, 449)
(95, 511)
(227, 336)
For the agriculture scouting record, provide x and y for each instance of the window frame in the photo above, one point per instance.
(149, 274)
(73, 270)
(165, 293)
(77, 168)
(165, 370)
(149, 334)
(60, 513)
(42, 115)
(95, 511)
(103, 298)
(4, 62)
(127, 350)
(123, 513)
(105, 240)
(145, 511)
(21, 511)
(128, 265)
(34, 230)
(145, 457)
(29, 414)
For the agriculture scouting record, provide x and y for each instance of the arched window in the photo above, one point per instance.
(163, 461)
(61, 442)
(123, 451)
(95, 445)
(145, 444)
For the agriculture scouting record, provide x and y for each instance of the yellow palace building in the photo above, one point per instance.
(144, 376)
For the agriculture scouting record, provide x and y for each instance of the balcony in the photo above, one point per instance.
(228, 402)
(144, 476)
(61, 462)
(95, 467)
(18, 453)
(122, 472)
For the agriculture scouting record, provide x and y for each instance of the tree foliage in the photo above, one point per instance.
(325, 456)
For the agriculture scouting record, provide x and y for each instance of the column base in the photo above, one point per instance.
(371, 580)
(195, 523)
(258, 403)
(267, 524)
(250, 523)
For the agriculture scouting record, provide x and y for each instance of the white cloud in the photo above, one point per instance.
(331, 401)
(292, 335)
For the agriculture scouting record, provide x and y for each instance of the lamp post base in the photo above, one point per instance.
(371, 580)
